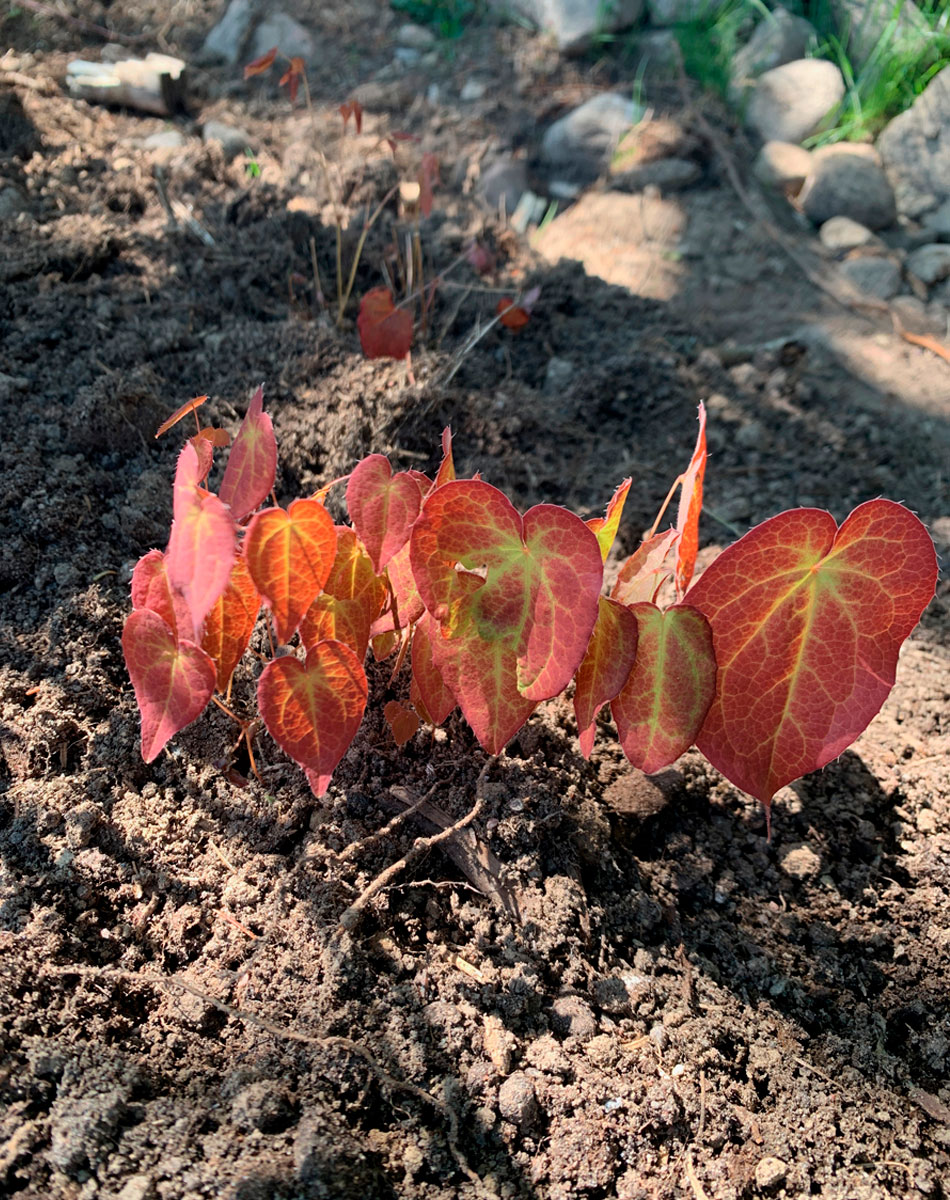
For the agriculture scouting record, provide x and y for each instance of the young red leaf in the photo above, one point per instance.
(353, 596)
(203, 542)
(312, 710)
(252, 463)
(660, 709)
(352, 108)
(402, 722)
(230, 623)
(428, 175)
(516, 599)
(808, 621)
(292, 77)
(646, 570)
(605, 527)
(385, 331)
(290, 555)
(383, 507)
(446, 472)
(218, 438)
(152, 590)
(480, 259)
(690, 506)
(173, 680)
(428, 691)
(262, 64)
(607, 663)
(188, 407)
(512, 315)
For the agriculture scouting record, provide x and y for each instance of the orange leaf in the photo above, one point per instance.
(352, 108)
(512, 317)
(290, 555)
(230, 623)
(402, 721)
(262, 64)
(313, 709)
(691, 504)
(177, 415)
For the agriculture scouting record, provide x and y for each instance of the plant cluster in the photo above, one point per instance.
(888, 78)
(772, 662)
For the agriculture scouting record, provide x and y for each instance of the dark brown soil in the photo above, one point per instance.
(611, 988)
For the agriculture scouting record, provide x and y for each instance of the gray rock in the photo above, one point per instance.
(677, 12)
(769, 1173)
(289, 36)
(862, 24)
(580, 144)
(406, 56)
(918, 317)
(517, 1101)
(849, 185)
(227, 39)
(937, 223)
(878, 277)
(930, 263)
(12, 203)
(415, 37)
(753, 436)
(574, 22)
(232, 140)
(783, 166)
(842, 233)
(780, 38)
(165, 139)
(667, 174)
(472, 89)
(506, 178)
(915, 148)
(789, 102)
(557, 376)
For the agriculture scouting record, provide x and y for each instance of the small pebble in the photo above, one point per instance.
(770, 1173)
(517, 1101)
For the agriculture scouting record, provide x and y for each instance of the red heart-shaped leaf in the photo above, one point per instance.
(516, 599)
(383, 507)
(290, 555)
(173, 680)
(203, 542)
(312, 710)
(352, 598)
(428, 691)
(402, 721)
(229, 625)
(607, 663)
(808, 621)
(385, 331)
(660, 709)
(252, 463)
(151, 589)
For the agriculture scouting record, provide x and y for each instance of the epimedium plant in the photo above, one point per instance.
(772, 662)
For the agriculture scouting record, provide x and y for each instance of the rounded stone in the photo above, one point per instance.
(517, 1101)
(844, 233)
(877, 277)
(783, 166)
(849, 185)
(789, 103)
(770, 1173)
